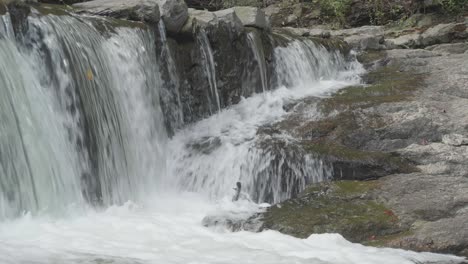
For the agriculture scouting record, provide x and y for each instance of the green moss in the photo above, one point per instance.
(232, 3)
(347, 154)
(334, 207)
(388, 84)
(58, 10)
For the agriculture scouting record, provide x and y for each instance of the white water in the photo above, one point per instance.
(210, 69)
(168, 231)
(257, 49)
(162, 228)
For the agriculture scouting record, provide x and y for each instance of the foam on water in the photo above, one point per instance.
(169, 231)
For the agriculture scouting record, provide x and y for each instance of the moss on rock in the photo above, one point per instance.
(51, 9)
(344, 207)
(387, 84)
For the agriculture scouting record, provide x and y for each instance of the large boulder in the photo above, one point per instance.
(138, 10)
(252, 17)
(174, 13)
(444, 33)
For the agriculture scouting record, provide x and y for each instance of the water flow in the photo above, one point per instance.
(212, 155)
(209, 69)
(302, 63)
(115, 82)
(39, 169)
(170, 93)
(259, 56)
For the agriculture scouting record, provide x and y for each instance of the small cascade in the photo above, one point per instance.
(212, 155)
(170, 92)
(303, 62)
(259, 56)
(209, 69)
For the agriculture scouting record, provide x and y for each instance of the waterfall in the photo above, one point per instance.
(259, 56)
(83, 115)
(209, 69)
(39, 167)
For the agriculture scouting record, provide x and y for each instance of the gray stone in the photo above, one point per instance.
(443, 33)
(364, 30)
(451, 48)
(201, 18)
(205, 19)
(174, 13)
(252, 17)
(405, 41)
(139, 10)
(229, 16)
(366, 42)
(455, 139)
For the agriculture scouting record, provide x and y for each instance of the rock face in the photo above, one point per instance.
(139, 10)
(174, 14)
(413, 114)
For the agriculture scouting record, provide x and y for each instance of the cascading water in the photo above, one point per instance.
(209, 69)
(259, 56)
(170, 92)
(39, 169)
(81, 120)
(212, 155)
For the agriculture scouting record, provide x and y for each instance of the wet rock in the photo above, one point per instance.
(252, 17)
(174, 13)
(19, 13)
(138, 10)
(344, 207)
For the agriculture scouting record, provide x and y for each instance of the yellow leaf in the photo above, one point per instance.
(89, 75)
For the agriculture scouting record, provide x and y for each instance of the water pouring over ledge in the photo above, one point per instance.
(95, 99)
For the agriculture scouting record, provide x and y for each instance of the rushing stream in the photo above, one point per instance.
(88, 173)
